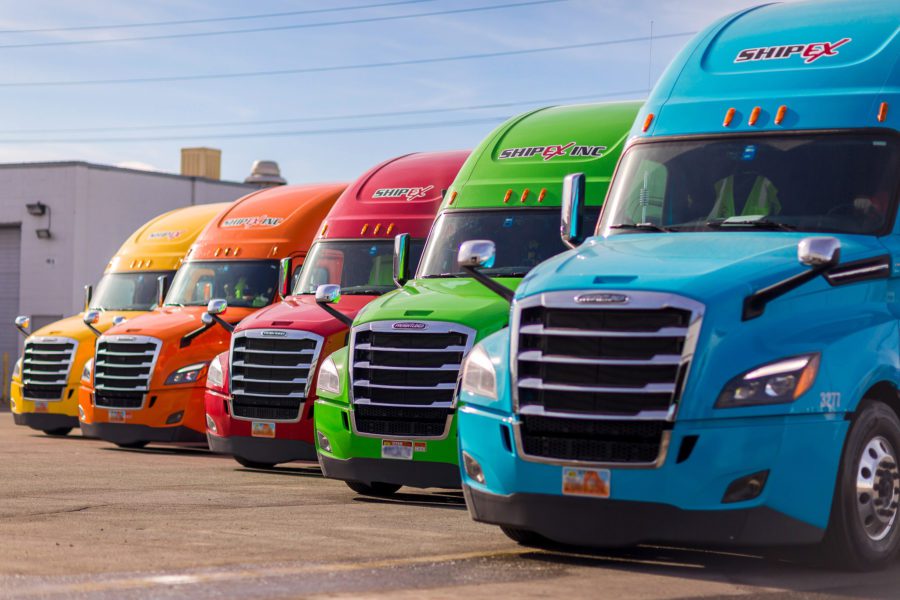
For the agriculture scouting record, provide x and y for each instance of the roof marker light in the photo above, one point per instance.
(729, 116)
(754, 116)
(274, 250)
(216, 253)
(364, 229)
(507, 196)
(389, 229)
(524, 195)
(148, 263)
(452, 198)
(882, 112)
(779, 116)
(134, 262)
(236, 250)
(647, 122)
(542, 194)
(227, 251)
(324, 230)
(377, 229)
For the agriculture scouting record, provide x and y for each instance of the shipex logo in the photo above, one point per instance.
(550, 152)
(409, 325)
(248, 222)
(809, 52)
(165, 235)
(411, 193)
(602, 299)
(274, 333)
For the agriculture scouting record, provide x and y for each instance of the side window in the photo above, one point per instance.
(647, 198)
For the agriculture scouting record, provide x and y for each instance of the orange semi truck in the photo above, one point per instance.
(46, 378)
(149, 377)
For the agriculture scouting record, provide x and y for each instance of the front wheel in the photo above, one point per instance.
(59, 431)
(252, 464)
(376, 488)
(525, 537)
(132, 445)
(863, 530)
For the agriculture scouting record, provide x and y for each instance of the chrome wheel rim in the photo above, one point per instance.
(877, 488)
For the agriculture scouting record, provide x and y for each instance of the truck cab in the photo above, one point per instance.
(47, 377)
(718, 364)
(387, 417)
(148, 381)
(260, 394)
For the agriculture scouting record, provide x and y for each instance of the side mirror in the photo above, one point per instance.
(475, 254)
(23, 324)
(118, 320)
(217, 306)
(330, 293)
(88, 294)
(401, 259)
(570, 227)
(819, 251)
(284, 277)
(162, 289)
(91, 318)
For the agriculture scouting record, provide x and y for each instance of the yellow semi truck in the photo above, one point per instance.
(45, 381)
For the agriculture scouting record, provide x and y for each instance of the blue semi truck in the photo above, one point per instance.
(719, 363)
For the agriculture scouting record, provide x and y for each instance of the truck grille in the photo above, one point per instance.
(271, 371)
(597, 375)
(404, 376)
(122, 371)
(46, 363)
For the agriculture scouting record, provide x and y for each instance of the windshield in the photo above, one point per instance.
(127, 291)
(523, 237)
(247, 283)
(358, 266)
(840, 183)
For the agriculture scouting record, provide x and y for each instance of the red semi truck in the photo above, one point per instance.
(260, 394)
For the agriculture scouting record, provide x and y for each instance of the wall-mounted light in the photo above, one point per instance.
(37, 209)
(43, 234)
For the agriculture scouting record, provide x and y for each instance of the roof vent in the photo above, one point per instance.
(201, 162)
(265, 173)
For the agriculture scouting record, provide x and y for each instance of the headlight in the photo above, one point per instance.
(17, 370)
(775, 383)
(478, 375)
(87, 370)
(215, 377)
(188, 374)
(329, 379)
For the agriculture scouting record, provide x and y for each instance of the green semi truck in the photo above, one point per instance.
(385, 414)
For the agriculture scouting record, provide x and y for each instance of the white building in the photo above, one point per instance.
(89, 210)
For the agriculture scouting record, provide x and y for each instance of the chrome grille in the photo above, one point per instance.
(46, 363)
(122, 371)
(271, 370)
(403, 376)
(597, 374)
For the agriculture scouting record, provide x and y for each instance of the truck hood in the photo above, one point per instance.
(456, 299)
(302, 312)
(172, 322)
(74, 328)
(703, 266)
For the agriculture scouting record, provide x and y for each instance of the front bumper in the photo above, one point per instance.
(800, 453)
(122, 433)
(45, 421)
(160, 406)
(67, 406)
(261, 450)
(356, 457)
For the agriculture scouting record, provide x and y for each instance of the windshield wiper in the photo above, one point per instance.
(444, 275)
(641, 227)
(758, 223)
(363, 292)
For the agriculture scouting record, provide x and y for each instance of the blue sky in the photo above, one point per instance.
(616, 71)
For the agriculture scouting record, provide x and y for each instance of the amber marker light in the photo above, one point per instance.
(377, 229)
(754, 116)
(452, 198)
(882, 112)
(647, 122)
(779, 115)
(524, 195)
(729, 117)
(364, 229)
(507, 196)
(542, 194)
(390, 228)
(324, 230)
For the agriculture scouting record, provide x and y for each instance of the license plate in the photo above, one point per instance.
(117, 416)
(397, 449)
(264, 429)
(586, 482)
(40, 407)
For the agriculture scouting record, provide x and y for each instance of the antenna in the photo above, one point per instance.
(650, 61)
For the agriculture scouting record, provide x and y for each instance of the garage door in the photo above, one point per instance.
(10, 243)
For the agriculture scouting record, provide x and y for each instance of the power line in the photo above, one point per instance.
(292, 13)
(172, 36)
(354, 67)
(343, 117)
(306, 132)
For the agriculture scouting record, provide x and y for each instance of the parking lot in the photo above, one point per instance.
(81, 518)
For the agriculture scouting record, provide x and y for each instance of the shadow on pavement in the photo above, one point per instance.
(451, 500)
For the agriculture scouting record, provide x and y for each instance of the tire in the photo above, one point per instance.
(374, 489)
(59, 431)
(864, 529)
(525, 537)
(132, 445)
(252, 464)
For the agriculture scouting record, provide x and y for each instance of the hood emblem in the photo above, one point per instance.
(274, 333)
(409, 325)
(602, 299)
(127, 339)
